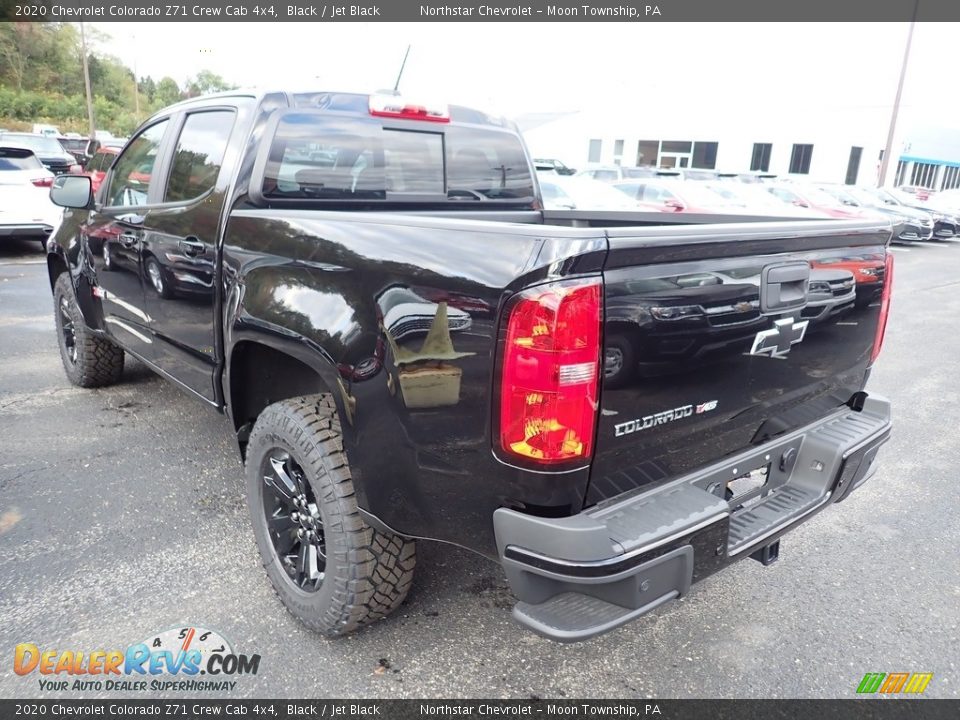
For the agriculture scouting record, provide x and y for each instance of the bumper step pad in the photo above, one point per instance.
(786, 504)
(570, 616)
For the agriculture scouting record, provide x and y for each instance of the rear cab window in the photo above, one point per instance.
(325, 156)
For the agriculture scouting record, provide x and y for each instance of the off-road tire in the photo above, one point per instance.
(96, 361)
(368, 572)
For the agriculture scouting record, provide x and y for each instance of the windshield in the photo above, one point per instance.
(741, 194)
(815, 196)
(843, 195)
(639, 172)
(902, 198)
(867, 196)
(585, 193)
(17, 159)
(698, 194)
(37, 143)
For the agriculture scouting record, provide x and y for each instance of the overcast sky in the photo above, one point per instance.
(516, 68)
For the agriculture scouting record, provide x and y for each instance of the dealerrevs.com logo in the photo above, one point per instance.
(180, 659)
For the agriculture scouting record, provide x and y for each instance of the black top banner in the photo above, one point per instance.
(492, 11)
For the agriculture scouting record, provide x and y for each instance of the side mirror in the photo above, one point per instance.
(674, 205)
(800, 203)
(72, 191)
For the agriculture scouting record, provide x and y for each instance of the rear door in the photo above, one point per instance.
(717, 338)
(180, 247)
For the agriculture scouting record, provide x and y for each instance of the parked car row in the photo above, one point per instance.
(916, 215)
(28, 164)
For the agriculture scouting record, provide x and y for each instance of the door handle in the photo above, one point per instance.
(192, 246)
(128, 239)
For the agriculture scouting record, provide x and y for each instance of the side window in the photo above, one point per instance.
(199, 154)
(134, 169)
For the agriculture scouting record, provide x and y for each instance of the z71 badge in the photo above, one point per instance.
(662, 418)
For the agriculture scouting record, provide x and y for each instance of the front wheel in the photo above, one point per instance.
(89, 360)
(330, 569)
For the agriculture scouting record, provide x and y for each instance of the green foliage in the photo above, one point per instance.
(207, 82)
(168, 92)
(41, 81)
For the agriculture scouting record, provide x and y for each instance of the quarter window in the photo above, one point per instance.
(135, 168)
(199, 154)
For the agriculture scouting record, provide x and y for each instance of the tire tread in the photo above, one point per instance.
(99, 361)
(375, 572)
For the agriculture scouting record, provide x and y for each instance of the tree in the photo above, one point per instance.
(148, 87)
(41, 80)
(168, 92)
(207, 82)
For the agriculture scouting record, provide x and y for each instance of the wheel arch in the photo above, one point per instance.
(260, 374)
(56, 266)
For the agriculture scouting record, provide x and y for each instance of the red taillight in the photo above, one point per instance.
(396, 107)
(884, 306)
(551, 364)
(43, 182)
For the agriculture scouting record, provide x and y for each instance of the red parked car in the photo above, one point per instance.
(816, 199)
(98, 165)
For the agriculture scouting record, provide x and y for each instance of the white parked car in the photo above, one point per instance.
(25, 207)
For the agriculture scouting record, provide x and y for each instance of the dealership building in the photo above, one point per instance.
(839, 145)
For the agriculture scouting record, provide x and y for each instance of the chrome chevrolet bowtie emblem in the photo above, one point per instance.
(777, 341)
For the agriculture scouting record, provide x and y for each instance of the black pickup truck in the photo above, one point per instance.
(612, 405)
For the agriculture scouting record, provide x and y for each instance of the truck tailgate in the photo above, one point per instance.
(719, 337)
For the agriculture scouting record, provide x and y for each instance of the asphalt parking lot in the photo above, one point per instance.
(122, 514)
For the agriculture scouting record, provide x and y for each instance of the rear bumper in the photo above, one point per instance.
(580, 576)
(26, 230)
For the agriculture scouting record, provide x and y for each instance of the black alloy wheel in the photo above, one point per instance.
(293, 520)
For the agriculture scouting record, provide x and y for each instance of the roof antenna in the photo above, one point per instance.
(396, 85)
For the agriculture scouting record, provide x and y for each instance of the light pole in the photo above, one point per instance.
(86, 81)
(888, 150)
(136, 83)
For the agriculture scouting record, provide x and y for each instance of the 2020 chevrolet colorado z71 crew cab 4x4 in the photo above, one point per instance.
(410, 348)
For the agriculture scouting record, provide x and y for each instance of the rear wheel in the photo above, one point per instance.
(330, 569)
(89, 360)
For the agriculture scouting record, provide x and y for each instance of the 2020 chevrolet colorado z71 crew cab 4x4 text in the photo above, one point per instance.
(612, 405)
